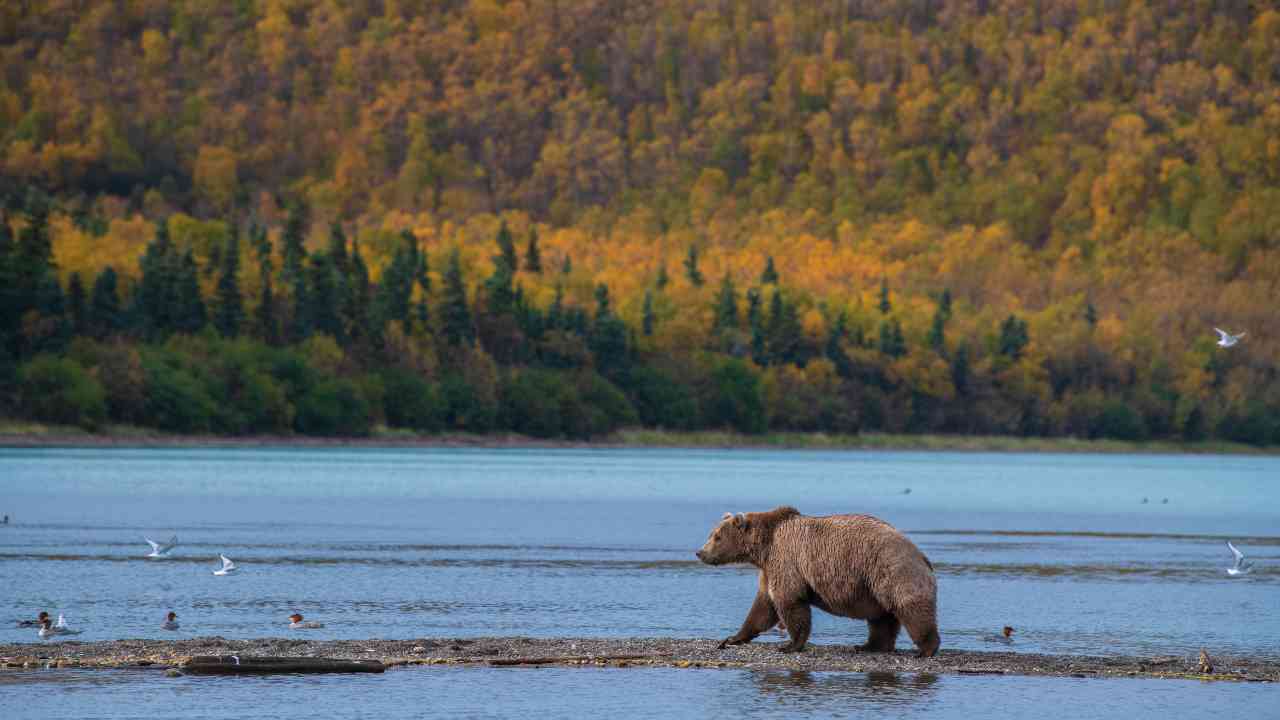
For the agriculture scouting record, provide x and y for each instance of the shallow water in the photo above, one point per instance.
(620, 693)
(450, 543)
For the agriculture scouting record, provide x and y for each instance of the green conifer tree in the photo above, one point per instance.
(532, 255)
(229, 309)
(691, 270)
(770, 274)
(455, 314)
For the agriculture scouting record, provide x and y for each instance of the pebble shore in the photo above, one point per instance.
(627, 652)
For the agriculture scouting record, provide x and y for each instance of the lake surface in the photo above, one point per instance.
(466, 542)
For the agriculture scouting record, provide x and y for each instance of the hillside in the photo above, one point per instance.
(961, 217)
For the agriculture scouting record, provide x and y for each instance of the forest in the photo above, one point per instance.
(560, 218)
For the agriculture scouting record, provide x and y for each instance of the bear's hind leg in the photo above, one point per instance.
(882, 634)
(798, 618)
(921, 621)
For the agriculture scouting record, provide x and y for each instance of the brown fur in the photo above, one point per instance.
(855, 566)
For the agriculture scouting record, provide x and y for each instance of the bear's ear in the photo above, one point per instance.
(740, 520)
(727, 516)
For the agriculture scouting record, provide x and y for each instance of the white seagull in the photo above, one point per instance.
(227, 568)
(1242, 566)
(1226, 339)
(161, 549)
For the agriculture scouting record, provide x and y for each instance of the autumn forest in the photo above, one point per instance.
(564, 217)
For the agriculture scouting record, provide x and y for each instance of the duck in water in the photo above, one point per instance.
(38, 622)
(170, 621)
(297, 623)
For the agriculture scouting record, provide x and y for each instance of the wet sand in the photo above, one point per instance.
(631, 652)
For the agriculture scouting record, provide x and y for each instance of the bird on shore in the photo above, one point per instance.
(1226, 339)
(38, 622)
(170, 621)
(1206, 663)
(1241, 566)
(297, 623)
(227, 568)
(161, 549)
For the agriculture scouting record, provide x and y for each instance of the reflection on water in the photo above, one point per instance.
(617, 693)
(807, 690)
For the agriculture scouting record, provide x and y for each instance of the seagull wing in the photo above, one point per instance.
(1238, 555)
(1223, 333)
(155, 546)
(173, 543)
(226, 562)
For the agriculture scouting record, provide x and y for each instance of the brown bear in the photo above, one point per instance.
(854, 566)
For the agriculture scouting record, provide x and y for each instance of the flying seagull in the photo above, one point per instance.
(1226, 339)
(227, 568)
(161, 549)
(1242, 566)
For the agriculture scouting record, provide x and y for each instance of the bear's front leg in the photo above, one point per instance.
(761, 617)
(798, 618)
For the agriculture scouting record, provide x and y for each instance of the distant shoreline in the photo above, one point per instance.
(23, 434)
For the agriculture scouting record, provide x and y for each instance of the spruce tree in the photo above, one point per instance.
(294, 246)
(1090, 314)
(229, 313)
(646, 318)
(755, 321)
(770, 274)
(77, 305)
(785, 333)
(191, 316)
(532, 255)
(455, 315)
(1013, 337)
(555, 313)
(691, 270)
(267, 324)
(726, 308)
(602, 301)
(507, 248)
(156, 301)
(359, 293)
(566, 266)
(835, 347)
(663, 279)
(324, 298)
(422, 276)
(104, 305)
(338, 249)
(885, 306)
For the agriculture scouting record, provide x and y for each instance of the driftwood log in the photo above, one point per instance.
(238, 665)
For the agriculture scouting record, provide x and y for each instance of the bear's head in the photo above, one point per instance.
(730, 541)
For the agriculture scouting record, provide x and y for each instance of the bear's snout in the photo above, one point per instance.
(698, 554)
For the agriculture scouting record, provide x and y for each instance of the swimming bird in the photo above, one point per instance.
(1226, 339)
(1005, 636)
(47, 628)
(161, 549)
(170, 621)
(227, 568)
(1242, 566)
(298, 624)
(38, 622)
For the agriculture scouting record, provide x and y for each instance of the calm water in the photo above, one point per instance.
(451, 543)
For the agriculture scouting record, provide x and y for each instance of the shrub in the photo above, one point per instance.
(333, 407)
(734, 398)
(410, 401)
(59, 390)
